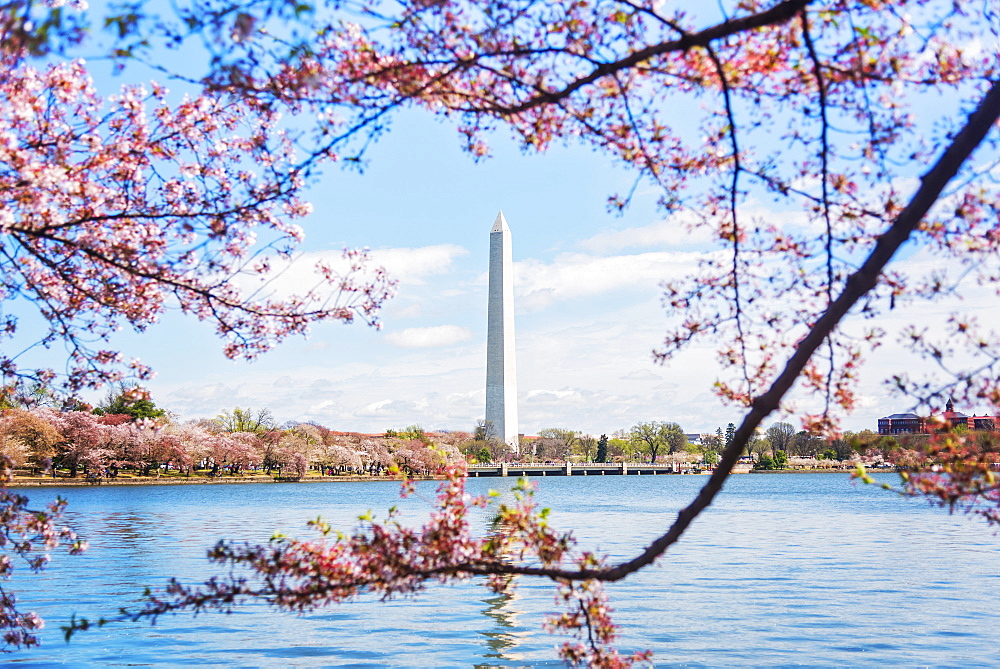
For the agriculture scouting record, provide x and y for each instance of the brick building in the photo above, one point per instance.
(911, 423)
(902, 423)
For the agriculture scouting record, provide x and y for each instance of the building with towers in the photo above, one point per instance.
(911, 423)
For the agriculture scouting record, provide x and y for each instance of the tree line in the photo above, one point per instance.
(127, 431)
(660, 440)
(131, 434)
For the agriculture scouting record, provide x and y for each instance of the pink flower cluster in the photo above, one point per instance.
(80, 442)
(115, 210)
(27, 535)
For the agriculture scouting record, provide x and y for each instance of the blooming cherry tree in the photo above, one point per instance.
(117, 209)
(86, 440)
(864, 124)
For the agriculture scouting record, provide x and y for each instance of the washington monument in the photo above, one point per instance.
(501, 375)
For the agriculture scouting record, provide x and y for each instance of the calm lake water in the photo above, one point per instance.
(783, 570)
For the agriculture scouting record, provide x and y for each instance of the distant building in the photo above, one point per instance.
(953, 417)
(911, 423)
(902, 423)
(985, 423)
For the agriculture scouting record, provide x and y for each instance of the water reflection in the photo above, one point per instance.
(507, 633)
(128, 529)
(790, 566)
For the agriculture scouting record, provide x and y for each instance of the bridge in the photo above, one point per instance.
(503, 469)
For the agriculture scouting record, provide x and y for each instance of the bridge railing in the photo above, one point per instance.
(574, 468)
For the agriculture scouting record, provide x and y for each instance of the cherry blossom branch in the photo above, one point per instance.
(780, 13)
(734, 237)
(28, 535)
(824, 173)
(857, 285)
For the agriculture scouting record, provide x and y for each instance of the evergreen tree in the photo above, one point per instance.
(730, 434)
(602, 449)
(131, 400)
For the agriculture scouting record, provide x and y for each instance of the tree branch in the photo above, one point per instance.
(857, 286)
(780, 13)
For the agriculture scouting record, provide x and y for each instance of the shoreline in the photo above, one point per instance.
(48, 482)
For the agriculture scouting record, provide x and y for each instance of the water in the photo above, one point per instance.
(783, 570)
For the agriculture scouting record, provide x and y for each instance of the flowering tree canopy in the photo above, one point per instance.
(117, 209)
(825, 112)
(863, 125)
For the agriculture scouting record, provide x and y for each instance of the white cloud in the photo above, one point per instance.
(413, 265)
(642, 375)
(299, 274)
(295, 276)
(388, 408)
(400, 310)
(439, 335)
(671, 233)
(551, 395)
(684, 230)
(575, 275)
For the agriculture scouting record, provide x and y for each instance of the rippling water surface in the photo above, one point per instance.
(782, 570)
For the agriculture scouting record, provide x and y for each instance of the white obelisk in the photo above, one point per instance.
(501, 377)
